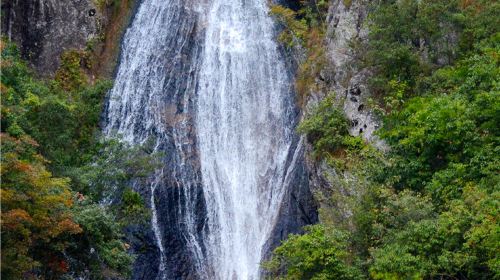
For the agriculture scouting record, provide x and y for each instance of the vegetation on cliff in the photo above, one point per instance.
(57, 175)
(304, 29)
(427, 208)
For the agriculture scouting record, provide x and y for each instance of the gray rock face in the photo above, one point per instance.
(45, 28)
(344, 78)
(346, 24)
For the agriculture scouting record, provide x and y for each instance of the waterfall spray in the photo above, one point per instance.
(244, 134)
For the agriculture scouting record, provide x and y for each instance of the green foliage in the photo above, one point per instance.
(394, 98)
(103, 4)
(108, 179)
(45, 235)
(445, 144)
(320, 253)
(427, 208)
(132, 208)
(70, 75)
(33, 106)
(347, 3)
(410, 39)
(309, 70)
(441, 136)
(106, 205)
(36, 212)
(295, 29)
(446, 245)
(100, 247)
(327, 127)
(113, 168)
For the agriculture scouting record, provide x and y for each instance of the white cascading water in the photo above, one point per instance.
(243, 121)
(244, 134)
(137, 107)
(135, 102)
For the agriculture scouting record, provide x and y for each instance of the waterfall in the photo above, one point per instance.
(206, 80)
(244, 134)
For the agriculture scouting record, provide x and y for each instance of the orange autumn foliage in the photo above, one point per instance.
(36, 210)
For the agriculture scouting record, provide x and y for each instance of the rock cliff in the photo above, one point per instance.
(345, 78)
(44, 29)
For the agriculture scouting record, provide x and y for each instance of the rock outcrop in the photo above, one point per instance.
(45, 28)
(345, 77)
(346, 26)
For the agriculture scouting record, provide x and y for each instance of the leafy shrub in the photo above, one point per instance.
(320, 253)
(100, 246)
(434, 135)
(409, 40)
(446, 245)
(328, 130)
(70, 75)
(36, 212)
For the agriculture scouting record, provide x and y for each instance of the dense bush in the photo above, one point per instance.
(326, 128)
(63, 122)
(36, 212)
(410, 39)
(454, 129)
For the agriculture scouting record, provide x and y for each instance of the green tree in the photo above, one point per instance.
(462, 242)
